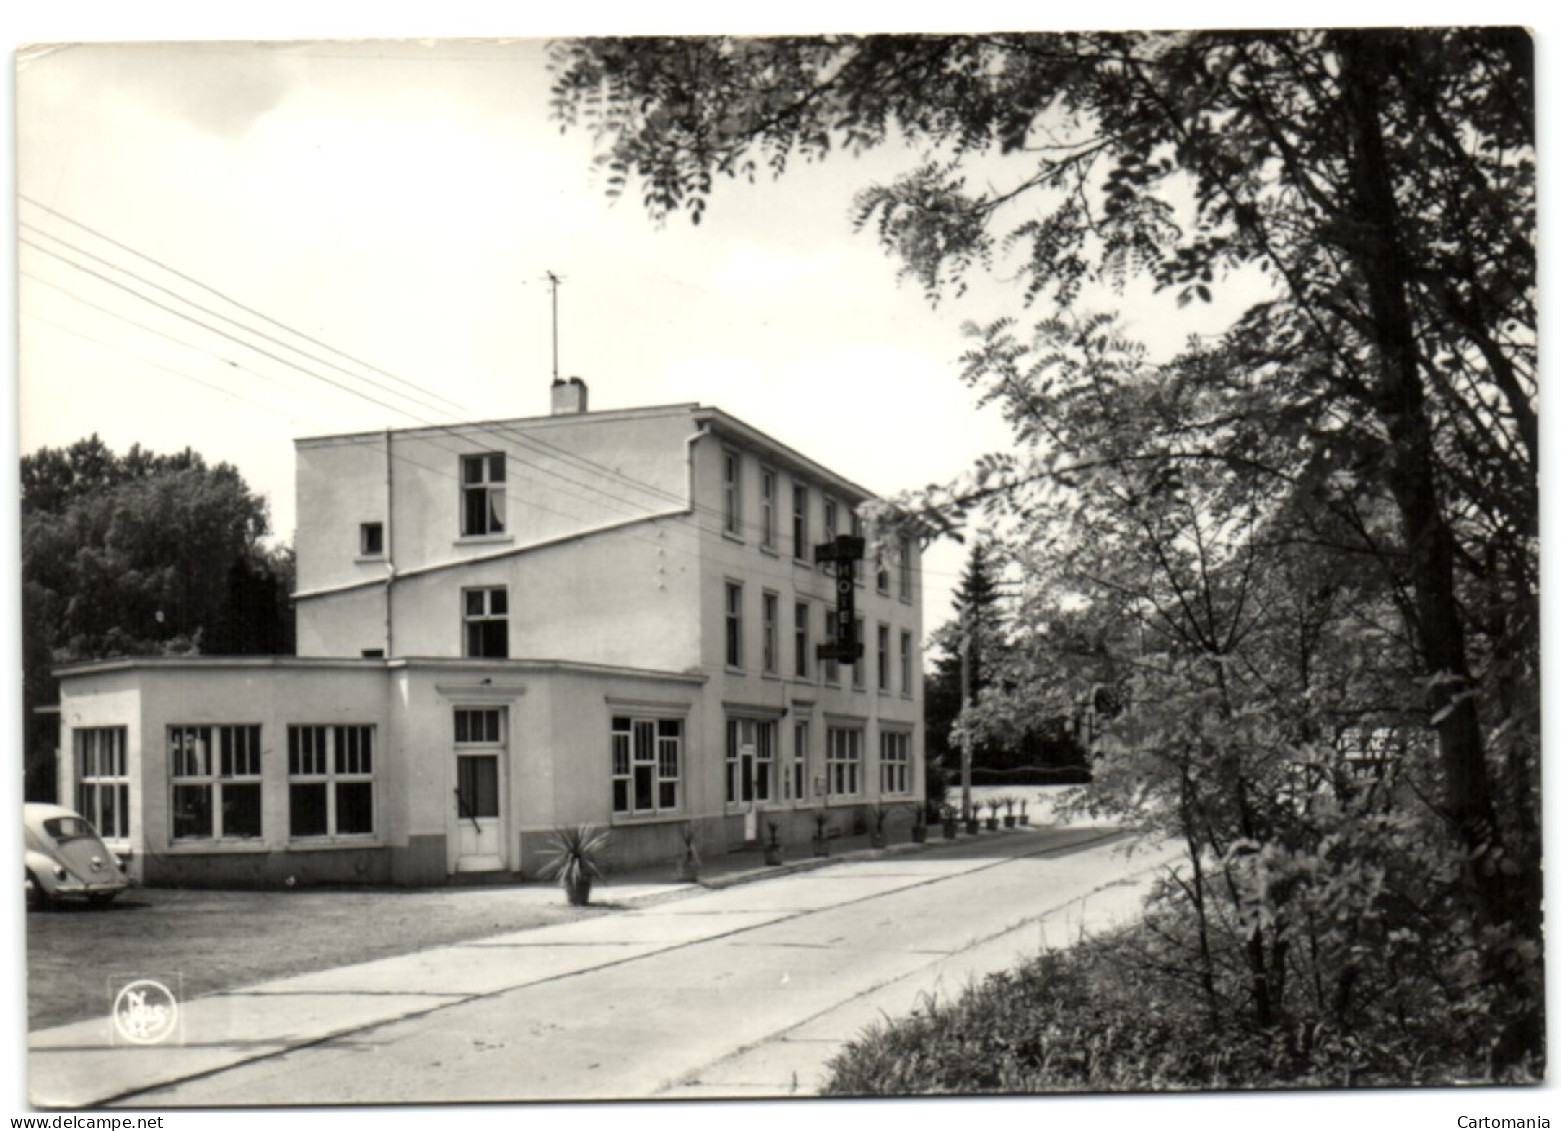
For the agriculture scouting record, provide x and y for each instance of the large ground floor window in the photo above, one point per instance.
(103, 779)
(894, 761)
(215, 775)
(843, 765)
(330, 781)
(647, 765)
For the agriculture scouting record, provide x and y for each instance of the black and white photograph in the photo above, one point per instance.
(984, 571)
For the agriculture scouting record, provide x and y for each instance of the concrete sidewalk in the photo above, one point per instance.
(251, 1031)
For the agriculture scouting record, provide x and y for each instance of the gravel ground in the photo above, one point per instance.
(216, 940)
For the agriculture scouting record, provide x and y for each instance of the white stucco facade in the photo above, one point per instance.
(606, 618)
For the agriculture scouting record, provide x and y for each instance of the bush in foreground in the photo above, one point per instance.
(1111, 1015)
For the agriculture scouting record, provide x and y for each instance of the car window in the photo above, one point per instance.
(64, 829)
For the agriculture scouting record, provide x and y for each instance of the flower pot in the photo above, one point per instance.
(1010, 822)
(687, 873)
(772, 854)
(578, 891)
(919, 834)
(821, 846)
(991, 824)
(973, 825)
(950, 829)
(1024, 818)
(879, 840)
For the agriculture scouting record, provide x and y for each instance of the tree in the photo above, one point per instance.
(1371, 408)
(140, 554)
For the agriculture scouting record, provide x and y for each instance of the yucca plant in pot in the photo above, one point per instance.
(772, 847)
(991, 814)
(1009, 820)
(919, 823)
(688, 867)
(1024, 812)
(878, 821)
(578, 852)
(820, 835)
(973, 818)
(950, 824)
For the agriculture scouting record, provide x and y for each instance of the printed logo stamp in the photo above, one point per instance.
(145, 1012)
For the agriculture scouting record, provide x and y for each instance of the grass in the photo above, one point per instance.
(217, 940)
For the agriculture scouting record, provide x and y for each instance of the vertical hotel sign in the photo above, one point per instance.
(845, 551)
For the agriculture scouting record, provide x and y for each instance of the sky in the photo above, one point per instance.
(402, 200)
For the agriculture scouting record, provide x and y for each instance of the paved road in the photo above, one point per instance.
(746, 991)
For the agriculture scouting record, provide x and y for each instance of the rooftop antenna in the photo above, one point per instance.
(553, 283)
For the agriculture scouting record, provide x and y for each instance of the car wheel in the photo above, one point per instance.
(37, 898)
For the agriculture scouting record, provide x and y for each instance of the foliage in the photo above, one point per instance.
(576, 854)
(1104, 1016)
(1293, 569)
(140, 554)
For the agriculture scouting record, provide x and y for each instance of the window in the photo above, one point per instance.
(800, 621)
(478, 730)
(883, 657)
(215, 772)
(732, 484)
(905, 663)
(843, 767)
(330, 781)
(796, 783)
(859, 668)
(894, 761)
(647, 758)
(881, 563)
(482, 494)
(831, 635)
(371, 539)
(766, 508)
(479, 726)
(771, 607)
(831, 520)
(103, 780)
(734, 625)
(750, 761)
(905, 568)
(486, 617)
(799, 523)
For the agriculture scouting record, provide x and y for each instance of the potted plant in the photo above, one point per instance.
(992, 807)
(950, 825)
(878, 816)
(577, 855)
(772, 847)
(1009, 820)
(688, 867)
(820, 835)
(973, 819)
(919, 824)
(1024, 815)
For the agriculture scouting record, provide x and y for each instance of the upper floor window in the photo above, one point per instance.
(859, 669)
(479, 726)
(883, 657)
(771, 632)
(800, 627)
(103, 779)
(799, 523)
(905, 663)
(905, 568)
(831, 520)
(856, 532)
(732, 488)
(766, 508)
(482, 494)
(734, 625)
(485, 615)
(832, 635)
(371, 539)
(215, 772)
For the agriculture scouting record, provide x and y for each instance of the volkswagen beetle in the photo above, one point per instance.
(66, 859)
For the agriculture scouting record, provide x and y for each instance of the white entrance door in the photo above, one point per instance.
(480, 820)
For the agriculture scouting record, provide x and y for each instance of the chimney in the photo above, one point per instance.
(568, 396)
